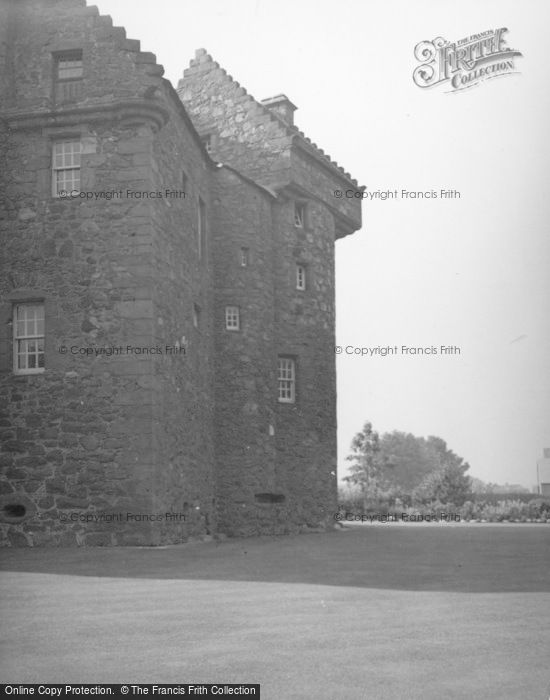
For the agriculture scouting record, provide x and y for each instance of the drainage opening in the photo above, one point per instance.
(14, 510)
(270, 498)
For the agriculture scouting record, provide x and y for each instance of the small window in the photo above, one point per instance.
(207, 142)
(69, 66)
(299, 215)
(196, 315)
(201, 228)
(287, 380)
(245, 257)
(300, 277)
(66, 167)
(232, 318)
(28, 338)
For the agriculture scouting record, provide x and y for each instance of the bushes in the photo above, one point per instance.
(488, 509)
(508, 509)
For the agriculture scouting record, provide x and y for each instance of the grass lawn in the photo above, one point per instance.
(377, 612)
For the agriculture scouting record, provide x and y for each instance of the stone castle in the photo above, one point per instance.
(167, 365)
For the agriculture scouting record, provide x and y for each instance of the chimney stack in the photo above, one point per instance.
(282, 107)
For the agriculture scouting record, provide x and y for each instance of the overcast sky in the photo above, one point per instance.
(470, 272)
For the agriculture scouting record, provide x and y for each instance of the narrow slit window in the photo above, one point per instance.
(208, 142)
(196, 315)
(245, 257)
(299, 214)
(301, 277)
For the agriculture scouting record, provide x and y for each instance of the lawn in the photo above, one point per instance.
(376, 612)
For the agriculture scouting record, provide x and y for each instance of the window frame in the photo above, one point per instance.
(244, 256)
(16, 338)
(231, 313)
(69, 56)
(301, 277)
(300, 214)
(65, 168)
(289, 380)
(208, 142)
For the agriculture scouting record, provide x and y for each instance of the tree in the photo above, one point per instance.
(407, 460)
(365, 465)
(402, 464)
(449, 484)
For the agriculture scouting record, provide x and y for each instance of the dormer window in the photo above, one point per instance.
(299, 215)
(68, 73)
(69, 65)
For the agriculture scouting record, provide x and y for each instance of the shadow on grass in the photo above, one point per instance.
(462, 559)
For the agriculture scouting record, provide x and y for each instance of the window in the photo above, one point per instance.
(207, 142)
(300, 277)
(287, 380)
(201, 228)
(65, 167)
(69, 65)
(184, 181)
(196, 315)
(299, 215)
(28, 338)
(244, 257)
(232, 318)
(68, 74)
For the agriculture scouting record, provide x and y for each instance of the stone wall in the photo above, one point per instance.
(245, 359)
(96, 437)
(189, 438)
(182, 379)
(306, 430)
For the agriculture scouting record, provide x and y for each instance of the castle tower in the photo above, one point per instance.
(106, 380)
(166, 295)
(275, 378)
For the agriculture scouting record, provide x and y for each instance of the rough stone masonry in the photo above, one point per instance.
(166, 295)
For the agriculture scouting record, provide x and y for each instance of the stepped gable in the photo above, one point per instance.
(146, 61)
(204, 63)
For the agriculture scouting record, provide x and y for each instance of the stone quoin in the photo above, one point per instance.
(209, 236)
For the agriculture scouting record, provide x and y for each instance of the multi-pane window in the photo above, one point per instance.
(232, 318)
(69, 66)
(28, 338)
(286, 373)
(68, 74)
(299, 214)
(300, 277)
(66, 167)
(201, 228)
(244, 257)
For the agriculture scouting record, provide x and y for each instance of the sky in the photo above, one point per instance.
(470, 272)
